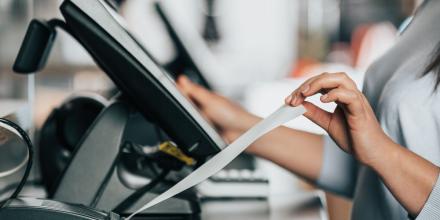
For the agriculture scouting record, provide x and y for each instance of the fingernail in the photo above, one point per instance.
(293, 101)
(289, 99)
(306, 88)
(185, 79)
(324, 97)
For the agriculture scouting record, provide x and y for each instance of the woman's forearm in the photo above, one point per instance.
(298, 151)
(409, 177)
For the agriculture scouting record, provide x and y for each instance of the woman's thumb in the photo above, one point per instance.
(317, 115)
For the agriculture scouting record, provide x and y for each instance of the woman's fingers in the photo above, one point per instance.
(182, 86)
(317, 115)
(321, 83)
(353, 100)
(195, 92)
(328, 81)
(290, 100)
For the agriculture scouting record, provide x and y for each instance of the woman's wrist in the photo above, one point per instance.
(408, 176)
(384, 154)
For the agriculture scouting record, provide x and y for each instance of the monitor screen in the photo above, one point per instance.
(145, 84)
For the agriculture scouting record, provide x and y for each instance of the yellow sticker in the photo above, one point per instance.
(169, 148)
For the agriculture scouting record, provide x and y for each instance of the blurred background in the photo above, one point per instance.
(254, 51)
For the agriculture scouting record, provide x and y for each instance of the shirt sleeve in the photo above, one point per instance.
(431, 209)
(338, 172)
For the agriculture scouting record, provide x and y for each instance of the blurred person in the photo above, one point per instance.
(383, 149)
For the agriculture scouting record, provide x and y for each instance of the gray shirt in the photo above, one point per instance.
(408, 110)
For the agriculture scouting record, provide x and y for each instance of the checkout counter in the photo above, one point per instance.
(99, 174)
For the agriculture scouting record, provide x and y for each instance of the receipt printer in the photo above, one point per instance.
(37, 209)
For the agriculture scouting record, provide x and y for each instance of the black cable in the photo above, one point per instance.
(140, 192)
(30, 147)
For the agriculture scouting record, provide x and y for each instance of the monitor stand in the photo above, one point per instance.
(92, 177)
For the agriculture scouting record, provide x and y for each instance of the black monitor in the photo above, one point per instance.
(145, 84)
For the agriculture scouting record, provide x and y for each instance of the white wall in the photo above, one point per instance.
(258, 38)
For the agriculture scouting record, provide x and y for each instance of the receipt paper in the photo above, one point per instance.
(220, 160)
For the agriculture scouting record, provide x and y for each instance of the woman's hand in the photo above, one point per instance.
(353, 125)
(229, 118)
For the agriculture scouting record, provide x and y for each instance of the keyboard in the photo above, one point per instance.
(235, 184)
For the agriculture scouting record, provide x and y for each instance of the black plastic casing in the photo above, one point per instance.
(139, 85)
(36, 47)
(37, 209)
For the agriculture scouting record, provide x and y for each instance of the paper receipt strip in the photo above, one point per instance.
(220, 160)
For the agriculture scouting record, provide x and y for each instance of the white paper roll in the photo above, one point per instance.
(223, 158)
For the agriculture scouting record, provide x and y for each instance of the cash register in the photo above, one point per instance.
(240, 179)
(95, 176)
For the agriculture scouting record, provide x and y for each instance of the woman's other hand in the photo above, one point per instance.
(229, 118)
(353, 124)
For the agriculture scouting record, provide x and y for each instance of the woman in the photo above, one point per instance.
(384, 149)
